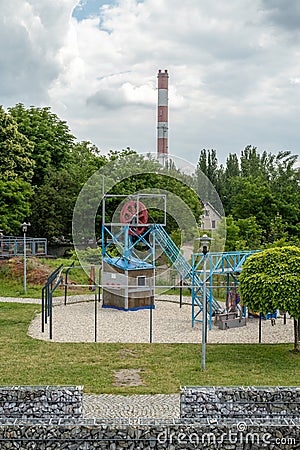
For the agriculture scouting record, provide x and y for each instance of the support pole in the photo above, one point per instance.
(25, 268)
(151, 313)
(95, 316)
(204, 321)
(66, 281)
(259, 329)
(50, 315)
(43, 309)
(99, 288)
(180, 292)
(47, 303)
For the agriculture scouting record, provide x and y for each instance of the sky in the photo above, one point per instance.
(234, 69)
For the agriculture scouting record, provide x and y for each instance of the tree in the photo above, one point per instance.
(270, 280)
(232, 166)
(254, 197)
(250, 162)
(16, 171)
(84, 159)
(52, 206)
(15, 149)
(207, 165)
(51, 138)
(15, 198)
(243, 234)
(54, 200)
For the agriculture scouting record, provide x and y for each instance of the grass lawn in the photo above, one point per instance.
(38, 269)
(165, 367)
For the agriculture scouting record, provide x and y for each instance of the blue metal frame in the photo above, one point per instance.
(127, 245)
(187, 272)
(226, 263)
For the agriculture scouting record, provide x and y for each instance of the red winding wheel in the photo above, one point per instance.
(134, 212)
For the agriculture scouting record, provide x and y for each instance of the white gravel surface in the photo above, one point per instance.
(76, 323)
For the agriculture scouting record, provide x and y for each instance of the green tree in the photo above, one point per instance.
(232, 234)
(284, 184)
(232, 168)
(84, 159)
(52, 206)
(15, 198)
(254, 197)
(54, 200)
(208, 165)
(16, 151)
(16, 171)
(243, 234)
(250, 162)
(51, 138)
(271, 280)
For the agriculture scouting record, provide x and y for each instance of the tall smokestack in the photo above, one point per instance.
(162, 116)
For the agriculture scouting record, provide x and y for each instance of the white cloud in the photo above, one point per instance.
(234, 70)
(31, 35)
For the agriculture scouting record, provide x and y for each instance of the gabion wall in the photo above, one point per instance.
(239, 402)
(41, 401)
(147, 435)
(24, 424)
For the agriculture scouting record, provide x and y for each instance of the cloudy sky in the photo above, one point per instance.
(234, 70)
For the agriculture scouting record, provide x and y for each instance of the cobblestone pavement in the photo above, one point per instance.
(133, 406)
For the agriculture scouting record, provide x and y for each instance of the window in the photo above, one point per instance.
(141, 281)
(213, 224)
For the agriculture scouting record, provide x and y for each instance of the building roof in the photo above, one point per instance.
(128, 263)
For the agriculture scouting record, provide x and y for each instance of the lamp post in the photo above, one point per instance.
(24, 227)
(205, 241)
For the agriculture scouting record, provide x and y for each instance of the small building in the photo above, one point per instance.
(128, 284)
(211, 217)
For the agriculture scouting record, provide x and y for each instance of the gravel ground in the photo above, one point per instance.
(76, 323)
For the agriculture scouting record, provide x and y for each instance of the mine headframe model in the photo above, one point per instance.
(128, 252)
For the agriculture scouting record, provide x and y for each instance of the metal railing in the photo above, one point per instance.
(14, 246)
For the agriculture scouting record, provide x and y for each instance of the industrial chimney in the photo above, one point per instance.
(162, 116)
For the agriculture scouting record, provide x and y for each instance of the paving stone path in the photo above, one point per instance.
(159, 406)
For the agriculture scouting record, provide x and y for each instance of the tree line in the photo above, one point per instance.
(260, 194)
(43, 168)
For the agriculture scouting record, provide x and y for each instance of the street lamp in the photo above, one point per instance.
(24, 228)
(205, 241)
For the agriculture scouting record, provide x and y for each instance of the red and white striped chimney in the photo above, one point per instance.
(162, 115)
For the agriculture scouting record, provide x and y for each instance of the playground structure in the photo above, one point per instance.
(130, 242)
(128, 273)
(129, 279)
(128, 252)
